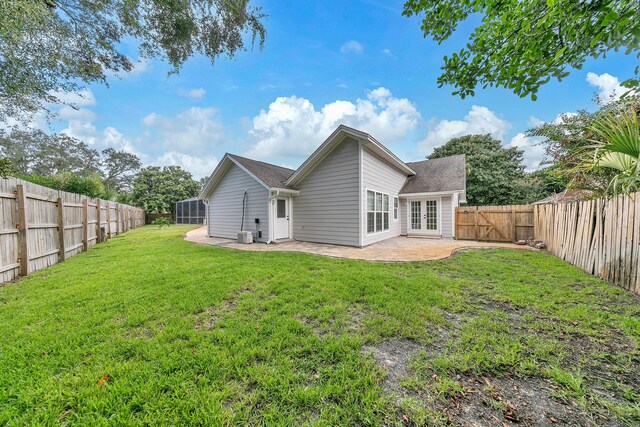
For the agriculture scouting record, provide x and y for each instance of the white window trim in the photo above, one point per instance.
(395, 211)
(366, 223)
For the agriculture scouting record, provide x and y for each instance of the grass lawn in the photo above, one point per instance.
(196, 335)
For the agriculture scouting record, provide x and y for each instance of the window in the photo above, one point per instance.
(281, 208)
(395, 208)
(377, 212)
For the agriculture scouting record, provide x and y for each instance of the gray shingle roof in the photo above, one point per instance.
(443, 174)
(272, 175)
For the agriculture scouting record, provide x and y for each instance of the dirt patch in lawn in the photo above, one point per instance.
(517, 401)
(394, 356)
(207, 318)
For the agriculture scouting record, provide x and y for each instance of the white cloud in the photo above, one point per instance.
(609, 86)
(199, 166)
(387, 52)
(196, 129)
(195, 94)
(293, 128)
(351, 46)
(138, 67)
(534, 151)
(479, 120)
(82, 98)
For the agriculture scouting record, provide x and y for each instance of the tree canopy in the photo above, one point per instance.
(157, 189)
(495, 174)
(568, 139)
(34, 153)
(53, 46)
(522, 45)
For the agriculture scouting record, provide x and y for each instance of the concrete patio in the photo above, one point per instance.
(397, 249)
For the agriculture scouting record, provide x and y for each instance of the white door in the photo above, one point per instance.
(423, 217)
(281, 225)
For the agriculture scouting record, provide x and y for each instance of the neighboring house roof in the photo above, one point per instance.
(334, 139)
(272, 175)
(437, 175)
(566, 196)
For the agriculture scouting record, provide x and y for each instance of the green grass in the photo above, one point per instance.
(209, 336)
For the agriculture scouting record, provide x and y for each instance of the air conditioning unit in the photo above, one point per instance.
(245, 237)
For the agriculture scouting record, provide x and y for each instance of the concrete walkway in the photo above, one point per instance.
(396, 249)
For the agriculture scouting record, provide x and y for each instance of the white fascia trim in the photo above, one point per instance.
(402, 165)
(341, 130)
(249, 172)
(433, 193)
(285, 191)
(206, 191)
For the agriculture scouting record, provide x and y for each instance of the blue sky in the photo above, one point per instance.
(324, 63)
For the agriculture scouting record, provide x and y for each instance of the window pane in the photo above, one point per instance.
(178, 209)
(378, 221)
(281, 208)
(416, 215)
(385, 203)
(371, 203)
(371, 222)
(378, 202)
(202, 210)
(395, 208)
(431, 213)
(386, 220)
(193, 208)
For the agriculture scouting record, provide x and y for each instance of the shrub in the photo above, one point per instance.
(162, 221)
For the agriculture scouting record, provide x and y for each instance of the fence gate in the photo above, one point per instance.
(494, 223)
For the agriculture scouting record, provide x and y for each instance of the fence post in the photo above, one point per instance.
(85, 225)
(63, 248)
(513, 219)
(99, 219)
(117, 219)
(108, 220)
(23, 229)
(475, 223)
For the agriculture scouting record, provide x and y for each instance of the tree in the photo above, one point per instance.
(616, 147)
(157, 189)
(38, 153)
(52, 46)
(5, 168)
(119, 168)
(567, 139)
(495, 174)
(89, 184)
(34, 152)
(522, 45)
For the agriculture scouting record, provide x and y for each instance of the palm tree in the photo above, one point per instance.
(616, 139)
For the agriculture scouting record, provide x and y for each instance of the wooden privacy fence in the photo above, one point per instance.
(494, 223)
(602, 237)
(40, 227)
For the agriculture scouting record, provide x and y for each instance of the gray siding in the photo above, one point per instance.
(225, 205)
(327, 209)
(378, 175)
(446, 221)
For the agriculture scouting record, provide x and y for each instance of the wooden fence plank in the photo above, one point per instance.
(40, 226)
(23, 228)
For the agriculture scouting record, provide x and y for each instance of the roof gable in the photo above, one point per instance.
(437, 175)
(268, 175)
(337, 137)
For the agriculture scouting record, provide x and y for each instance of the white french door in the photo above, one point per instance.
(424, 216)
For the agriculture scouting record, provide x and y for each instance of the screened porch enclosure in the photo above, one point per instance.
(191, 211)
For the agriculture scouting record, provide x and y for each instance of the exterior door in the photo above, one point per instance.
(281, 223)
(424, 217)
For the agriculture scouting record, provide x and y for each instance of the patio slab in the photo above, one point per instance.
(396, 249)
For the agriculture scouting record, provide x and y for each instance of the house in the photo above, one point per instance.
(351, 191)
